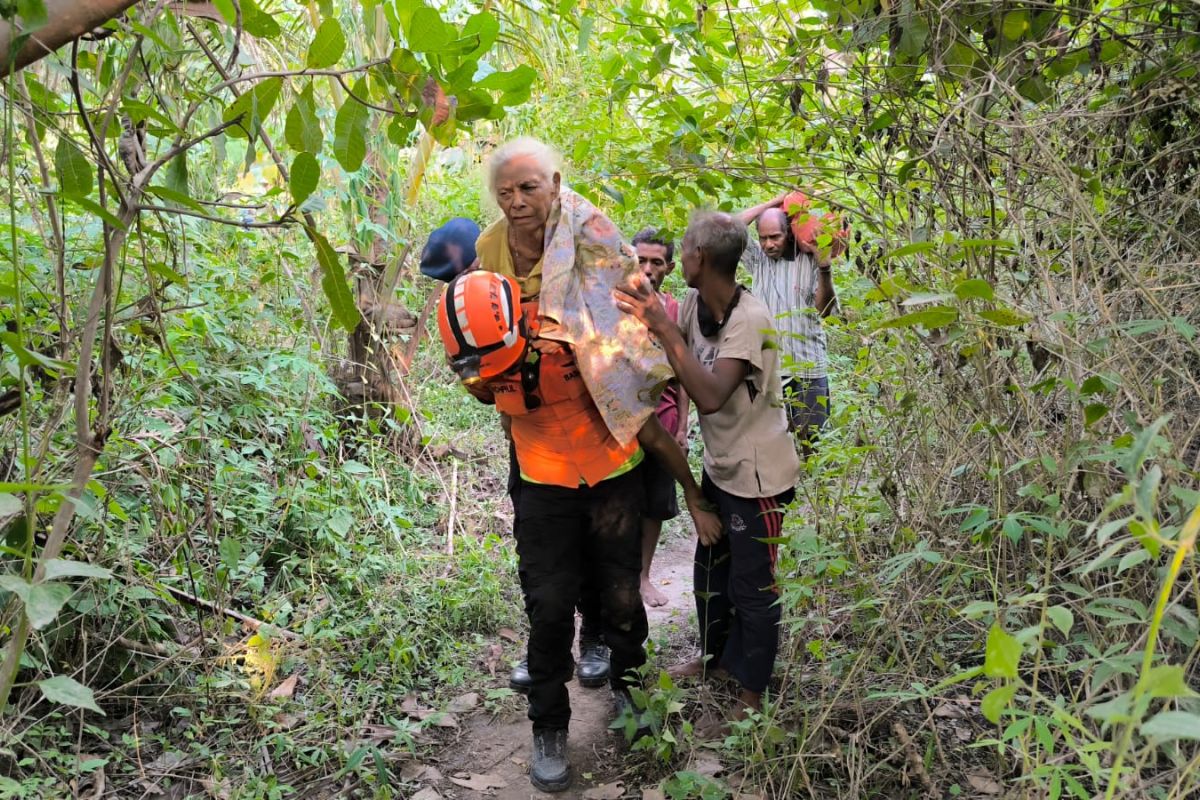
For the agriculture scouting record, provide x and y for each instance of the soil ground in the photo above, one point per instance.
(495, 749)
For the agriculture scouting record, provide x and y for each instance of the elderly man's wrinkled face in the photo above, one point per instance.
(652, 258)
(772, 232)
(524, 194)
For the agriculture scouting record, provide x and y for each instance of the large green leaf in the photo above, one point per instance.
(44, 602)
(333, 282)
(304, 177)
(61, 568)
(303, 128)
(512, 81)
(257, 22)
(1001, 654)
(427, 32)
(350, 131)
(1172, 725)
(934, 317)
(252, 108)
(1167, 680)
(485, 26)
(69, 692)
(327, 46)
(75, 175)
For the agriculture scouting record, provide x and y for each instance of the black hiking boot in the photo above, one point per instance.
(593, 663)
(550, 770)
(520, 680)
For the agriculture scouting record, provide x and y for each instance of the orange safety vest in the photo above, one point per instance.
(563, 441)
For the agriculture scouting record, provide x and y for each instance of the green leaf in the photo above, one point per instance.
(1093, 413)
(230, 550)
(44, 602)
(61, 568)
(256, 22)
(427, 32)
(75, 176)
(1001, 654)
(1172, 725)
(32, 14)
(995, 701)
(17, 585)
(485, 26)
(1015, 24)
(174, 198)
(1062, 618)
(914, 35)
(1004, 316)
(975, 288)
(303, 128)
(103, 213)
(304, 177)
(1167, 680)
(935, 317)
(512, 81)
(327, 45)
(334, 283)
(350, 131)
(912, 247)
(69, 692)
(176, 176)
(252, 108)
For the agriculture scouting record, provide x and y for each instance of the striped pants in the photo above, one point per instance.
(735, 586)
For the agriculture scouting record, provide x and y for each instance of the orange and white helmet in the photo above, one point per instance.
(482, 325)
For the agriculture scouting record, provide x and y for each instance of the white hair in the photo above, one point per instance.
(546, 157)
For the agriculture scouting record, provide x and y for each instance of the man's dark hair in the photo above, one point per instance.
(653, 236)
(720, 236)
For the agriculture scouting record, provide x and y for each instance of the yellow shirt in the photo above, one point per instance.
(494, 256)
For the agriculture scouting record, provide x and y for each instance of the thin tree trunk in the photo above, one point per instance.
(67, 20)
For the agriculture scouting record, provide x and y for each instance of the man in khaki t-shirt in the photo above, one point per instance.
(724, 359)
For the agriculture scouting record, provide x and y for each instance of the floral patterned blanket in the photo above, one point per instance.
(585, 258)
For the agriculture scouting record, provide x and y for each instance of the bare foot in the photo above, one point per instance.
(651, 596)
(696, 668)
(688, 669)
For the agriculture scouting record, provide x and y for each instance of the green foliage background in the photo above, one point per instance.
(992, 549)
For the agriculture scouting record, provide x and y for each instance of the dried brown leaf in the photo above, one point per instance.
(653, 794)
(984, 783)
(608, 791)
(426, 794)
(480, 783)
(463, 703)
(285, 689)
(510, 634)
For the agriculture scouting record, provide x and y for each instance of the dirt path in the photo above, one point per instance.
(495, 750)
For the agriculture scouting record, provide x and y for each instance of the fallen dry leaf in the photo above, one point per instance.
(653, 794)
(378, 733)
(608, 791)
(463, 703)
(217, 789)
(984, 783)
(440, 719)
(286, 721)
(426, 794)
(285, 689)
(510, 634)
(707, 765)
(492, 659)
(480, 783)
(410, 706)
(416, 772)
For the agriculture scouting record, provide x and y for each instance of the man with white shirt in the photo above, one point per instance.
(794, 279)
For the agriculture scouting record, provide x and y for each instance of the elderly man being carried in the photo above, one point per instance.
(576, 382)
